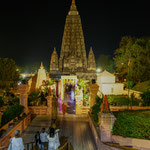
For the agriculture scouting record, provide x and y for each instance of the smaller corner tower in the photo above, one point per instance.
(91, 61)
(54, 62)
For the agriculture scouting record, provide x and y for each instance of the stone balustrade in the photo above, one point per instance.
(135, 143)
(116, 108)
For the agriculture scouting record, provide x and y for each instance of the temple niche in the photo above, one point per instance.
(73, 58)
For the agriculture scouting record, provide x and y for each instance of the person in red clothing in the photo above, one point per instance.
(64, 108)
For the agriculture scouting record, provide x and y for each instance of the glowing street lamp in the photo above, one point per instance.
(98, 70)
(24, 75)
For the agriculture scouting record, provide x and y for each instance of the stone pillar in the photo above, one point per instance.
(107, 121)
(23, 90)
(1, 114)
(62, 89)
(57, 89)
(78, 107)
(93, 93)
(49, 105)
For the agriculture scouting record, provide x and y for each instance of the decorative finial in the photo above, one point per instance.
(41, 67)
(73, 1)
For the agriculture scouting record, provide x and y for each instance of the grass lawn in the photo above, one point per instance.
(143, 86)
(135, 124)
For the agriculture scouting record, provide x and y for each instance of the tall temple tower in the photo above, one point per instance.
(73, 59)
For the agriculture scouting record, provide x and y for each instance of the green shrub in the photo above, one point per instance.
(33, 97)
(96, 108)
(95, 111)
(11, 112)
(16, 100)
(132, 125)
(142, 86)
(146, 98)
(1, 101)
(134, 101)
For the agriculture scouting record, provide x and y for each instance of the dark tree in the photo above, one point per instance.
(9, 74)
(132, 59)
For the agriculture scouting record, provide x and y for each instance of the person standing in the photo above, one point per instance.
(53, 140)
(38, 140)
(16, 143)
(43, 137)
(64, 108)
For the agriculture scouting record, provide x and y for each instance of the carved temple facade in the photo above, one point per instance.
(73, 59)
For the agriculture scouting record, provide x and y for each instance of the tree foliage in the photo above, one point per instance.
(82, 84)
(9, 74)
(146, 98)
(132, 59)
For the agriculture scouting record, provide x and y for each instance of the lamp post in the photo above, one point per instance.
(128, 81)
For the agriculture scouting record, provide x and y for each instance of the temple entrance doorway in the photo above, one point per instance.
(68, 86)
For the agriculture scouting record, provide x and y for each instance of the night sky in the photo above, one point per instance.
(29, 30)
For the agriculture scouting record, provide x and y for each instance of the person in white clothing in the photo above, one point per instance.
(53, 140)
(16, 143)
(43, 137)
(57, 143)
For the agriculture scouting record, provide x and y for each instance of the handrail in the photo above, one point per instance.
(61, 148)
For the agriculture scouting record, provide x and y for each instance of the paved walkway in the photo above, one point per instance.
(37, 124)
(75, 127)
(78, 130)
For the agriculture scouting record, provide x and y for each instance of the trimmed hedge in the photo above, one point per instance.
(133, 124)
(11, 113)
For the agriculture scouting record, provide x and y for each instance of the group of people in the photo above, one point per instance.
(41, 139)
(52, 138)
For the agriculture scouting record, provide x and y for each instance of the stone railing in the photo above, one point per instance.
(95, 132)
(116, 108)
(38, 110)
(42, 110)
(21, 125)
(135, 143)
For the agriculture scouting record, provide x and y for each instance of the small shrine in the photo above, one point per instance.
(41, 76)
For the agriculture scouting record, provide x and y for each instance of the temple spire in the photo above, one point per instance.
(73, 1)
(73, 9)
(41, 67)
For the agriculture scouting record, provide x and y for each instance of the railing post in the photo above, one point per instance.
(28, 146)
(32, 146)
(68, 146)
